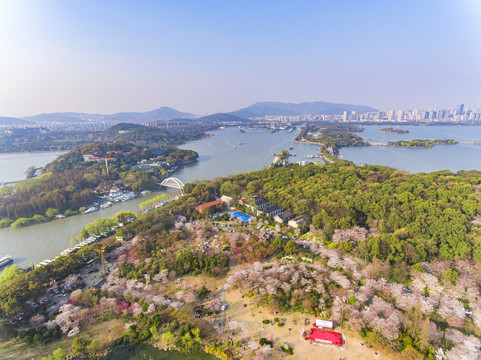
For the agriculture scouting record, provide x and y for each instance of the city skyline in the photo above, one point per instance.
(108, 57)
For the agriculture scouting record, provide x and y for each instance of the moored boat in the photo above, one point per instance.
(7, 259)
(90, 210)
(106, 205)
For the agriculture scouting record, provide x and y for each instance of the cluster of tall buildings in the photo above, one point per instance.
(460, 114)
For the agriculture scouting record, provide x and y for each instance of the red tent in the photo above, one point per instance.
(326, 337)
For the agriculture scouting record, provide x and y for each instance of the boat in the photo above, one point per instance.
(90, 210)
(106, 205)
(128, 196)
(145, 192)
(7, 259)
(291, 148)
(242, 131)
(234, 147)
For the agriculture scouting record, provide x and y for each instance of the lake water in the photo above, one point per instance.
(14, 165)
(463, 156)
(233, 152)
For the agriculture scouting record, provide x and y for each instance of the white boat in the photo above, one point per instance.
(128, 196)
(106, 205)
(90, 210)
(5, 260)
(45, 262)
(145, 192)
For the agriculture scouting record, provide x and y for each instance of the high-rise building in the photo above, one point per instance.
(460, 109)
(400, 115)
(390, 115)
(345, 116)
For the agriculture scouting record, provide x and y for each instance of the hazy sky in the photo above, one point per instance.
(209, 56)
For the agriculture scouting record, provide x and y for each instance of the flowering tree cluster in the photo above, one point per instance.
(355, 234)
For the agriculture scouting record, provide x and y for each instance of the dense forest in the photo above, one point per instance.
(410, 217)
(69, 182)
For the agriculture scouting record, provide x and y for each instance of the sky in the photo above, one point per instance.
(100, 56)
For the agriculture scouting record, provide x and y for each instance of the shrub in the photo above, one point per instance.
(287, 349)
(264, 341)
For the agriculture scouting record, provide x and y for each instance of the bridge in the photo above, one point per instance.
(175, 183)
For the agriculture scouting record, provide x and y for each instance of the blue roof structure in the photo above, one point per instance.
(241, 216)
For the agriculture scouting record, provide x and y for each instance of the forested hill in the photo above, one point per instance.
(410, 217)
(71, 182)
(43, 139)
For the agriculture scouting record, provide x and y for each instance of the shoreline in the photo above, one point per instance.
(208, 136)
(81, 213)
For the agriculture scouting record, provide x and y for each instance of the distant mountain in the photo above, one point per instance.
(160, 114)
(222, 117)
(85, 117)
(53, 117)
(12, 121)
(308, 108)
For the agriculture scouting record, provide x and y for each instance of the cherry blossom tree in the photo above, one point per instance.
(263, 353)
(355, 234)
(468, 349)
(383, 318)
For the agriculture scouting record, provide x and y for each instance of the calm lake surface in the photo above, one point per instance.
(14, 165)
(462, 156)
(253, 150)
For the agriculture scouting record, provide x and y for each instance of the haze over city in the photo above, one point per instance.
(216, 56)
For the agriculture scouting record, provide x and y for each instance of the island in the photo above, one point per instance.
(334, 135)
(421, 144)
(390, 130)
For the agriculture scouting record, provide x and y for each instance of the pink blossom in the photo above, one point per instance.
(469, 349)
(383, 318)
(264, 352)
(355, 234)
(340, 279)
(252, 345)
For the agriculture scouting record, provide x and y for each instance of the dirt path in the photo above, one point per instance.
(290, 333)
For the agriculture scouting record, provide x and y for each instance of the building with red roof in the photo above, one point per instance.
(326, 337)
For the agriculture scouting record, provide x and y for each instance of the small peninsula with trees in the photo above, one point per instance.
(391, 130)
(335, 135)
(82, 176)
(421, 144)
